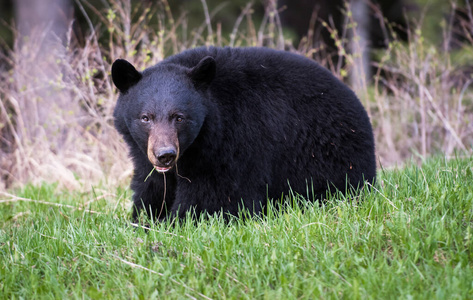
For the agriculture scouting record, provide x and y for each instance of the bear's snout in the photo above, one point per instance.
(166, 156)
(163, 148)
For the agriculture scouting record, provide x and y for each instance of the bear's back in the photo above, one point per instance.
(262, 70)
(313, 123)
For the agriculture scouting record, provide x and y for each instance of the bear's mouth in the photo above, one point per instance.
(162, 169)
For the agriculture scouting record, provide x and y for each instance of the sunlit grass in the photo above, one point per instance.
(410, 236)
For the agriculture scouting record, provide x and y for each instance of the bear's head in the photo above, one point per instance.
(163, 108)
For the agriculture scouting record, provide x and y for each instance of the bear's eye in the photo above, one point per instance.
(179, 119)
(144, 119)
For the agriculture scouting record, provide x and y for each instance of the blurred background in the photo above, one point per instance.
(409, 61)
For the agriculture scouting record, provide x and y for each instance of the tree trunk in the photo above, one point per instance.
(359, 45)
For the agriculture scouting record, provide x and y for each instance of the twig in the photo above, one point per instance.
(183, 177)
(244, 13)
(444, 120)
(389, 201)
(97, 199)
(164, 195)
(17, 199)
(207, 21)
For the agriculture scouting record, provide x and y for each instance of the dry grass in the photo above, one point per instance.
(423, 101)
(57, 98)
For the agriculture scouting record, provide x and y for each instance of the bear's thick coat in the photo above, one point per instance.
(233, 127)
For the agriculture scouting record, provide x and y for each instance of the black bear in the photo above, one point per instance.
(230, 128)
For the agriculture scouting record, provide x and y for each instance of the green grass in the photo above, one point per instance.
(411, 237)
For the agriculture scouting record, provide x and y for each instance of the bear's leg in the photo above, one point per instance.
(197, 199)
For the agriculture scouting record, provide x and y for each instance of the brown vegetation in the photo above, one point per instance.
(57, 100)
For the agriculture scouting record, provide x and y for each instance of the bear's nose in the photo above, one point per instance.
(166, 156)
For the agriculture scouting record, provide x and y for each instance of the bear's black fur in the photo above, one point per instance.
(237, 126)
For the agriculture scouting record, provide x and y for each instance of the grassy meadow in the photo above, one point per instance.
(57, 96)
(65, 230)
(411, 237)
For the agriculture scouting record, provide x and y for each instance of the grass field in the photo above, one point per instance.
(411, 237)
(70, 237)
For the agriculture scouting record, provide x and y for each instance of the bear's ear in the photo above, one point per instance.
(124, 75)
(204, 72)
